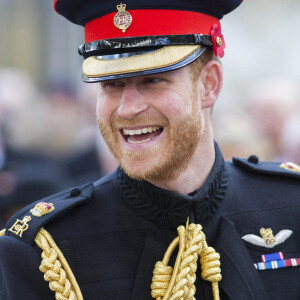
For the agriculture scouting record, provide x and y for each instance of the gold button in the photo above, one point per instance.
(219, 41)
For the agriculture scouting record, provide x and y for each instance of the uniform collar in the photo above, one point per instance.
(171, 209)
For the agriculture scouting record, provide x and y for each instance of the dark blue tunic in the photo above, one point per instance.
(113, 232)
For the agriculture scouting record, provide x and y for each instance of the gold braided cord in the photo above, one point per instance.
(2, 232)
(169, 284)
(56, 269)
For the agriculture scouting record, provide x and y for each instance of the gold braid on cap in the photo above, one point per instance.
(2, 232)
(56, 269)
(169, 284)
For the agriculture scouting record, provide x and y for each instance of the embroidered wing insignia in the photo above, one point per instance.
(282, 236)
(279, 238)
(254, 240)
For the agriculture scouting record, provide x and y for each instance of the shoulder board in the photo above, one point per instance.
(253, 164)
(26, 223)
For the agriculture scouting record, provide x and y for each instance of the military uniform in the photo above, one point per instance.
(113, 232)
(102, 240)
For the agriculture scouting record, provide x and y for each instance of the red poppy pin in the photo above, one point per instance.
(218, 40)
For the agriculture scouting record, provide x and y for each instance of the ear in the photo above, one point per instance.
(211, 77)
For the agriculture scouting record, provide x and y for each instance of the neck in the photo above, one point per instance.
(197, 170)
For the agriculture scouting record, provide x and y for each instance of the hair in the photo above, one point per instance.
(197, 66)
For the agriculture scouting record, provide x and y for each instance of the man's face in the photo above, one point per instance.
(152, 124)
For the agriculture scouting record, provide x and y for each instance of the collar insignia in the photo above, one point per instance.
(268, 240)
(123, 18)
(20, 226)
(290, 167)
(42, 208)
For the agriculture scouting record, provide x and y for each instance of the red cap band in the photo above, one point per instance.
(151, 22)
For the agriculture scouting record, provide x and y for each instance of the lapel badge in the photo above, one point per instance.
(268, 240)
(42, 208)
(123, 18)
(267, 235)
(290, 167)
(20, 226)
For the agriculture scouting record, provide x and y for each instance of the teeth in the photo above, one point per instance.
(137, 142)
(140, 131)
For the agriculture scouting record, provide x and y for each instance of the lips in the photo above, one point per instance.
(141, 135)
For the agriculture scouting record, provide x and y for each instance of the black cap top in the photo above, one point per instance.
(82, 11)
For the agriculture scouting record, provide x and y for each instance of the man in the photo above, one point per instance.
(159, 78)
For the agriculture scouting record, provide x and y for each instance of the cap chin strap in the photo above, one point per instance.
(119, 45)
(169, 284)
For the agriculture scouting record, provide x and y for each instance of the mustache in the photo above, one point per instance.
(139, 120)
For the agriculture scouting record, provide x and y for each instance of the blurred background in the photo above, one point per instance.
(48, 134)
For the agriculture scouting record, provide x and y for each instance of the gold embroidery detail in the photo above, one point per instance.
(267, 235)
(290, 167)
(179, 283)
(42, 208)
(2, 232)
(219, 41)
(123, 18)
(56, 269)
(20, 226)
(163, 57)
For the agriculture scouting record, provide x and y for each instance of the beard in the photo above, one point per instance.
(180, 142)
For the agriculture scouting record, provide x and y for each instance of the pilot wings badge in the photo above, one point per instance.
(268, 240)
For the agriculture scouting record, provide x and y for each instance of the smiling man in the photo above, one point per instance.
(158, 127)
(236, 224)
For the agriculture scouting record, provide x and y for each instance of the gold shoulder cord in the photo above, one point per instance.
(169, 284)
(56, 269)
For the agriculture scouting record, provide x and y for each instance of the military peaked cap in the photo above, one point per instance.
(144, 37)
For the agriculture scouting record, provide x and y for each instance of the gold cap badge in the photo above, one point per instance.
(123, 18)
(42, 208)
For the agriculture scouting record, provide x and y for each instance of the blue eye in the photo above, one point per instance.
(152, 80)
(112, 84)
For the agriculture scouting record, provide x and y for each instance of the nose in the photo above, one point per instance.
(131, 102)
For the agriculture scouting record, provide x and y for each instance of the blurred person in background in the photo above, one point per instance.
(13, 100)
(113, 239)
(25, 171)
(238, 136)
(289, 142)
(31, 180)
(48, 123)
(91, 158)
(271, 103)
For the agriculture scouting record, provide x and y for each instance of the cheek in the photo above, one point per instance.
(175, 105)
(105, 108)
